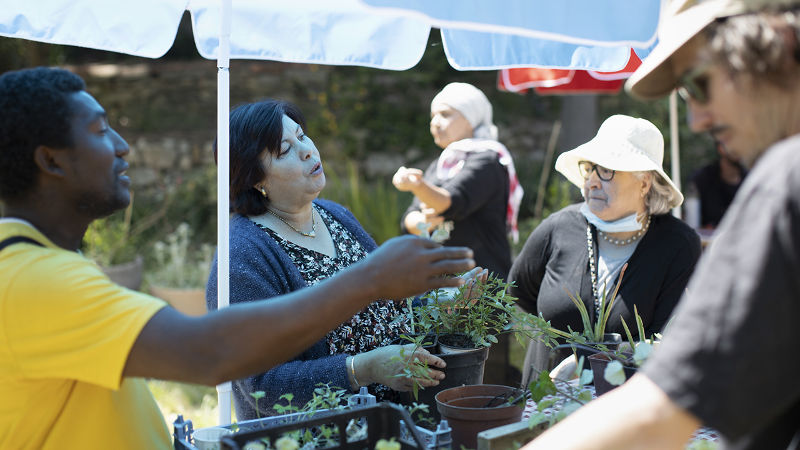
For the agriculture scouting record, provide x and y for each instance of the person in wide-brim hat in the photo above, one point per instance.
(623, 221)
(625, 144)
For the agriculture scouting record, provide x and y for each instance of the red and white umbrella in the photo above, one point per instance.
(553, 81)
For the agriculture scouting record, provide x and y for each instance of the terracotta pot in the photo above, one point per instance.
(127, 274)
(598, 363)
(190, 301)
(466, 411)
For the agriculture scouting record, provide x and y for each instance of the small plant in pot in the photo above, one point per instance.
(593, 339)
(612, 368)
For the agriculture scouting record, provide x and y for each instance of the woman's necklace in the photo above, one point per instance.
(631, 239)
(311, 234)
(593, 270)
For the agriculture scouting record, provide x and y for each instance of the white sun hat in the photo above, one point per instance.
(684, 20)
(625, 144)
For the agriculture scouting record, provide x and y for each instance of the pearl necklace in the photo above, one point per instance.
(631, 239)
(311, 234)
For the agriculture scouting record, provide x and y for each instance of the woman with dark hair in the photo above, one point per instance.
(283, 238)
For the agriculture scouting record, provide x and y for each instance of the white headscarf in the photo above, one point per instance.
(472, 104)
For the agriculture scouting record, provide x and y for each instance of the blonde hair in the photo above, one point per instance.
(660, 196)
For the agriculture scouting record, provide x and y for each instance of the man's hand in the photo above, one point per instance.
(406, 179)
(408, 265)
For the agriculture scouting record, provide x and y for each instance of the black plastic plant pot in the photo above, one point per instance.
(455, 343)
(598, 363)
(430, 343)
(611, 342)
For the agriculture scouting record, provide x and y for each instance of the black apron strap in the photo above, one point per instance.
(16, 240)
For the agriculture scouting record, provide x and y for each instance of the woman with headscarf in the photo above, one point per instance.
(472, 187)
(624, 219)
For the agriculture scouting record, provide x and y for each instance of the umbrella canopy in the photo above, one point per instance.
(386, 34)
(580, 34)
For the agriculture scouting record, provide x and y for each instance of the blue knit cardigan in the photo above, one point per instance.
(260, 269)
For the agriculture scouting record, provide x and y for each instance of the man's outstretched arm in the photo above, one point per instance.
(250, 338)
(636, 415)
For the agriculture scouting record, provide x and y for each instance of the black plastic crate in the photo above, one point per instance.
(382, 421)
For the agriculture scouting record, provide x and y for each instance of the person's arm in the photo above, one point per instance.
(412, 180)
(245, 339)
(636, 415)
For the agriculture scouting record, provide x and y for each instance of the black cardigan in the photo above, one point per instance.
(555, 256)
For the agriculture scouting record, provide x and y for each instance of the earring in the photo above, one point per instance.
(263, 191)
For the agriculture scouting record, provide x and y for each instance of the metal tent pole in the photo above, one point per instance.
(223, 186)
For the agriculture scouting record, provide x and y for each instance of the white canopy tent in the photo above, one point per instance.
(385, 34)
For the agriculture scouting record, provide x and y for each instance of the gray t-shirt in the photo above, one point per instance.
(731, 356)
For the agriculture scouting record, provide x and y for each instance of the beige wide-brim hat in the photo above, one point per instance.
(684, 20)
(625, 144)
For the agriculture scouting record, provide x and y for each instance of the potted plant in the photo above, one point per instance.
(181, 271)
(464, 323)
(593, 338)
(612, 368)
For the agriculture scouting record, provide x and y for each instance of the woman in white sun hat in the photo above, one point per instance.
(624, 218)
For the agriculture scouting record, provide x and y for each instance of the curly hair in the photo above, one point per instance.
(34, 110)
(255, 128)
(757, 45)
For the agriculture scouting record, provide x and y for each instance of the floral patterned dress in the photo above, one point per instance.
(375, 326)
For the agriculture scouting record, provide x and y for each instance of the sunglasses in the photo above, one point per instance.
(586, 168)
(693, 85)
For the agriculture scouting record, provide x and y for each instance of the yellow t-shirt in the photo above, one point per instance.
(65, 334)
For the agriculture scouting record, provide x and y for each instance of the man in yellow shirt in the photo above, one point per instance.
(74, 347)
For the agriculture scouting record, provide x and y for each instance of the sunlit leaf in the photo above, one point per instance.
(641, 353)
(614, 373)
(586, 377)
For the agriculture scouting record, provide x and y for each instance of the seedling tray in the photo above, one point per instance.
(380, 421)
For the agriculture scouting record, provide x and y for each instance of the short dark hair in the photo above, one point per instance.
(34, 111)
(255, 128)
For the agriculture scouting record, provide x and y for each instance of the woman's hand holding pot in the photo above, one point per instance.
(386, 365)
